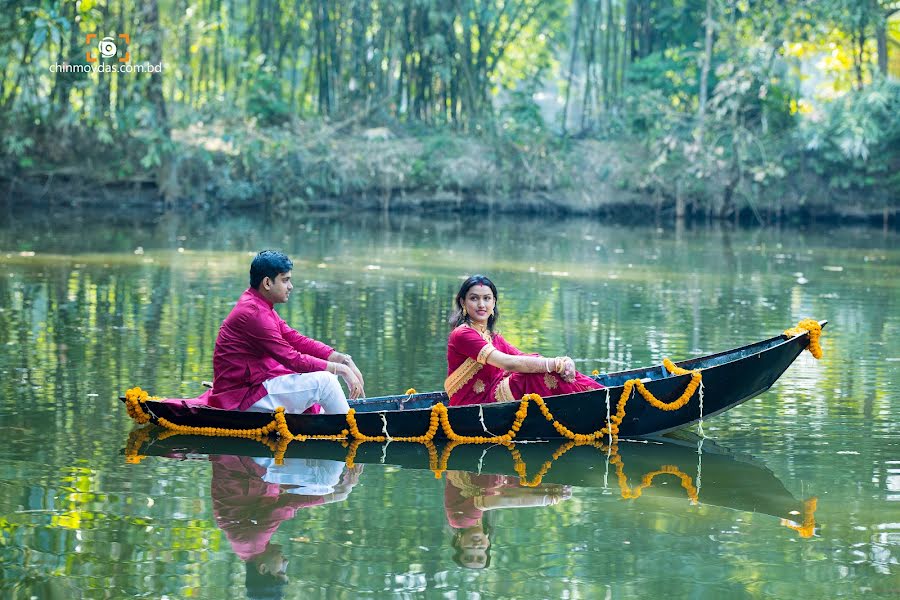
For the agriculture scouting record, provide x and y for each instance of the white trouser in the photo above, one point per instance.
(312, 477)
(298, 391)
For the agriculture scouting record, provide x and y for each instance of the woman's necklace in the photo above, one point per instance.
(481, 329)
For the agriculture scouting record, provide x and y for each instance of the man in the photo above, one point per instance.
(260, 363)
(252, 497)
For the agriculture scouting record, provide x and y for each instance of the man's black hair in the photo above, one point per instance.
(263, 587)
(268, 263)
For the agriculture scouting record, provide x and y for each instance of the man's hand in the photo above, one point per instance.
(346, 359)
(353, 382)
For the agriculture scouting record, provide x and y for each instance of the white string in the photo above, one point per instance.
(700, 424)
(481, 459)
(606, 472)
(699, 466)
(481, 418)
(384, 430)
(608, 424)
(384, 451)
(150, 410)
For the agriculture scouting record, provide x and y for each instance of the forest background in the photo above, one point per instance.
(756, 109)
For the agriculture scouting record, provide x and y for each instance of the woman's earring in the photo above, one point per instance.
(464, 313)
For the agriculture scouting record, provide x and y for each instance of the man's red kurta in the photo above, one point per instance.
(254, 345)
(246, 508)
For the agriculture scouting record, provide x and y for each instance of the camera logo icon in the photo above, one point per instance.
(107, 47)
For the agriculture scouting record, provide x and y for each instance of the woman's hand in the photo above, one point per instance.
(567, 369)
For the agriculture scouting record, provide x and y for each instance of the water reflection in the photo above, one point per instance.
(481, 478)
(469, 499)
(253, 495)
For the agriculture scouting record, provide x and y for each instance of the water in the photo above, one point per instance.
(98, 308)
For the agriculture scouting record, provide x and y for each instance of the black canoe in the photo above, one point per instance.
(729, 378)
(717, 476)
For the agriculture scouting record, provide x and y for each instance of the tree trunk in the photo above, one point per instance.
(570, 75)
(860, 46)
(154, 49)
(707, 61)
(590, 61)
(605, 59)
(624, 57)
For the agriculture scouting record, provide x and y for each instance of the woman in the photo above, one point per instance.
(483, 367)
(468, 497)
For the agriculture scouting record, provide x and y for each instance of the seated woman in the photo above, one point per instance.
(483, 367)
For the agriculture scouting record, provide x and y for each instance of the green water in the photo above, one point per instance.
(89, 309)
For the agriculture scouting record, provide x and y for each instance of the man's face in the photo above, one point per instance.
(277, 290)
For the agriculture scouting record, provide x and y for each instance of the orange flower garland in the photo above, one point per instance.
(815, 332)
(133, 400)
(439, 417)
(808, 528)
(439, 465)
(351, 453)
(647, 481)
(136, 439)
(522, 469)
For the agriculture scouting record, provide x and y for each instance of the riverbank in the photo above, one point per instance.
(320, 167)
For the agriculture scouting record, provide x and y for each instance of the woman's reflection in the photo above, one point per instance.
(253, 496)
(467, 497)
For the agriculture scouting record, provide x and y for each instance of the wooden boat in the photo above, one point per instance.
(728, 379)
(708, 473)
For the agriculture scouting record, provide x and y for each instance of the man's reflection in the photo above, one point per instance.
(467, 499)
(253, 496)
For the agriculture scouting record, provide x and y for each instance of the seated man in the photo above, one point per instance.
(260, 363)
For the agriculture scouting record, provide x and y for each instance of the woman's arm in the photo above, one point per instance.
(563, 365)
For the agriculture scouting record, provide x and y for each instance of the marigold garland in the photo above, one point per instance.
(647, 480)
(815, 332)
(808, 528)
(133, 400)
(522, 470)
(438, 465)
(136, 439)
(439, 417)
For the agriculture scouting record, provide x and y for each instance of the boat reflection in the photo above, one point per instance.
(706, 473)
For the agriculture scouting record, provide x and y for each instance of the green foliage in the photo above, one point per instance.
(855, 144)
(450, 77)
(520, 117)
(671, 76)
(265, 100)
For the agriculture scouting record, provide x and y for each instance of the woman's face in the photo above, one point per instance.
(474, 544)
(479, 303)
(474, 538)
